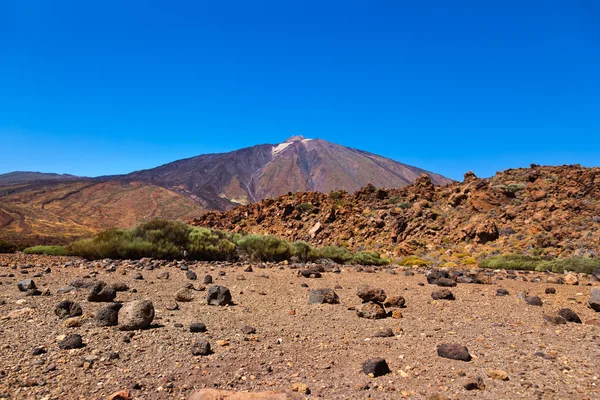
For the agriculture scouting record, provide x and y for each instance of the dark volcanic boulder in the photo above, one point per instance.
(201, 348)
(108, 315)
(218, 296)
(68, 309)
(102, 292)
(375, 367)
(594, 300)
(443, 294)
(371, 310)
(569, 315)
(435, 274)
(25, 285)
(71, 341)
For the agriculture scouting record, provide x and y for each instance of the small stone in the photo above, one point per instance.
(138, 276)
(247, 269)
(445, 282)
(533, 301)
(555, 319)
(163, 275)
(218, 296)
(474, 384)
(71, 341)
(201, 348)
(396, 314)
(72, 323)
(375, 367)
(550, 290)
(171, 305)
(121, 395)
(33, 292)
(184, 295)
(197, 327)
(191, 275)
(384, 333)
(248, 330)
(571, 279)
(300, 388)
(501, 292)
(497, 374)
(454, 351)
(37, 351)
(395, 301)
(323, 296)
(443, 294)
(26, 285)
(207, 280)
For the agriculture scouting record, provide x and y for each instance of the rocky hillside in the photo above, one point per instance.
(223, 181)
(17, 177)
(552, 211)
(50, 212)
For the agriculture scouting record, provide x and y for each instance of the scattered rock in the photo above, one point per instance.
(68, 309)
(191, 275)
(201, 348)
(569, 315)
(184, 295)
(571, 279)
(300, 388)
(395, 301)
(375, 367)
(550, 290)
(384, 333)
(323, 296)
(218, 296)
(369, 293)
(207, 280)
(71, 341)
(248, 330)
(474, 384)
(197, 327)
(26, 285)
(454, 351)
(594, 300)
(497, 374)
(137, 314)
(138, 276)
(533, 301)
(101, 292)
(445, 282)
(443, 294)
(371, 310)
(502, 292)
(108, 315)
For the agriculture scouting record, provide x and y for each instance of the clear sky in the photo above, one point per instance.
(105, 87)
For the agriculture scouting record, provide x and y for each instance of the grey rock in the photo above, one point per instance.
(218, 296)
(26, 285)
(201, 348)
(108, 315)
(71, 341)
(68, 309)
(323, 296)
(454, 351)
(137, 314)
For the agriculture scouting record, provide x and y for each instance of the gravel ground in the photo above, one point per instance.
(318, 346)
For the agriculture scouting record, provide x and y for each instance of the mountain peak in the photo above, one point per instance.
(296, 138)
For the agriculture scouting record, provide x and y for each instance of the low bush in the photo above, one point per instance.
(265, 247)
(336, 254)
(531, 263)
(511, 261)
(6, 247)
(302, 250)
(369, 258)
(48, 250)
(211, 245)
(412, 261)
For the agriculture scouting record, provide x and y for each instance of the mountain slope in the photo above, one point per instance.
(551, 211)
(51, 212)
(222, 181)
(17, 177)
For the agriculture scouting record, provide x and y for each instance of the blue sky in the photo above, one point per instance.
(94, 88)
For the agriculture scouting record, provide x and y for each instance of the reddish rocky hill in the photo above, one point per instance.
(552, 211)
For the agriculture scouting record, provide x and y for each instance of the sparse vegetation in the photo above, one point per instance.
(305, 207)
(532, 263)
(413, 260)
(302, 250)
(211, 245)
(337, 254)
(266, 247)
(48, 250)
(369, 258)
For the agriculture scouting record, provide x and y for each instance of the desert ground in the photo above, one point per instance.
(306, 350)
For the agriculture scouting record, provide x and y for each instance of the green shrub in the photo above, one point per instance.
(337, 254)
(413, 260)
(113, 243)
(210, 245)
(302, 250)
(48, 250)
(336, 195)
(265, 247)
(576, 264)
(305, 207)
(6, 247)
(369, 258)
(511, 261)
